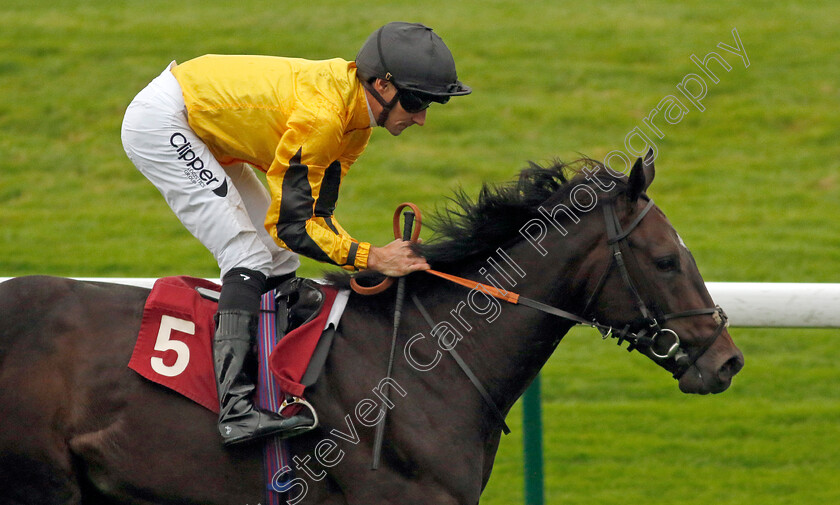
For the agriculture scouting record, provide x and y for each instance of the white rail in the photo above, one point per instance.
(782, 305)
(751, 304)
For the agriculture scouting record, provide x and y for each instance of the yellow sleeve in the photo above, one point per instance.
(304, 180)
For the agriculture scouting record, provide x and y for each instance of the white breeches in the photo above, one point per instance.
(224, 207)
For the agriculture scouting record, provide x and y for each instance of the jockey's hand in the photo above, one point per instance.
(396, 259)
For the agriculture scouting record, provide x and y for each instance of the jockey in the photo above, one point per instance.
(197, 130)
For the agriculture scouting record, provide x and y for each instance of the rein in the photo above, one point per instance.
(652, 338)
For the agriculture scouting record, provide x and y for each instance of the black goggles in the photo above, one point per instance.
(414, 102)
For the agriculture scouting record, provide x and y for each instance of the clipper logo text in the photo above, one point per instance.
(195, 170)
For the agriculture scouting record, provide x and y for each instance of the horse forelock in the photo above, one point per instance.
(469, 227)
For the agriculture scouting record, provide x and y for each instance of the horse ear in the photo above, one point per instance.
(641, 175)
(650, 171)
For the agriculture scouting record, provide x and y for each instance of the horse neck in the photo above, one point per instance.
(506, 345)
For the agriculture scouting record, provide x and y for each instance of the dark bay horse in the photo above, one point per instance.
(78, 427)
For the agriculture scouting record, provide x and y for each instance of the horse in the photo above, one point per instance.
(582, 243)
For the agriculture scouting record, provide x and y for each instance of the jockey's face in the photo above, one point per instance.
(398, 119)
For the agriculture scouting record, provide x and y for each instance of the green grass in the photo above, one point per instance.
(615, 433)
(752, 184)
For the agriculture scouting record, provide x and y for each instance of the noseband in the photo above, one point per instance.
(661, 344)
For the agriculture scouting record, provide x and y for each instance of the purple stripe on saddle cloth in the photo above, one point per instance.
(278, 472)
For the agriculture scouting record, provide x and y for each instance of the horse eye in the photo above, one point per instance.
(667, 264)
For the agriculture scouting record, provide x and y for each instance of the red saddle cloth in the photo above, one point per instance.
(174, 346)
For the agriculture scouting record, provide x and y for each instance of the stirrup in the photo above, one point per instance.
(294, 400)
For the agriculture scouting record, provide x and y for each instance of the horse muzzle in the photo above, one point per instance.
(714, 370)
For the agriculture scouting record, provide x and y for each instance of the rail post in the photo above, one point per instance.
(532, 442)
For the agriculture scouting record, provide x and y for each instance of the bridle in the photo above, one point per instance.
(652, 336)
(663, 345)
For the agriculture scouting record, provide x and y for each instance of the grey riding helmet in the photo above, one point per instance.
(412, 57)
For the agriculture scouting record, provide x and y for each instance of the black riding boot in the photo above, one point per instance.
(239, 419)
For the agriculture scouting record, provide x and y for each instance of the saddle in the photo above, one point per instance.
(299, 300)
(300, 304)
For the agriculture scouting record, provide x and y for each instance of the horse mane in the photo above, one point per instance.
(468, 227)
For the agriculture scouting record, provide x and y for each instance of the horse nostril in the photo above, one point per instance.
(732, 366)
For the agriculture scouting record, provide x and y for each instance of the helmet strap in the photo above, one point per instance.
(386, 105)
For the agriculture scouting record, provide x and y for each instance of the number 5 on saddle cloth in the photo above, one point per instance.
(174, 346)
